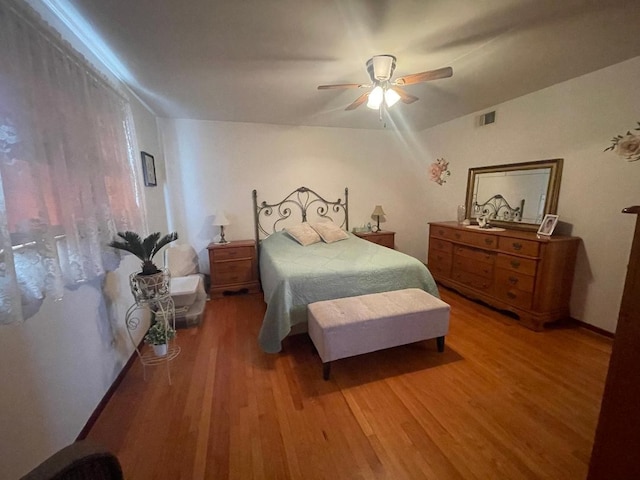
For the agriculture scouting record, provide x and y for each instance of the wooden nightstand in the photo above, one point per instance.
(234, 267)
(386, 239)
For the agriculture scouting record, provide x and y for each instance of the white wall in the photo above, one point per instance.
(574, 120)
(216, 165)
(57, 365)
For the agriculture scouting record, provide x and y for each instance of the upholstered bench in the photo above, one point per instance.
(350, 326)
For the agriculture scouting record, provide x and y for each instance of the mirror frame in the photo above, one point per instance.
(553, 189)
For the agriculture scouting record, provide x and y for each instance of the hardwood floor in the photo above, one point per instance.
(502, 402)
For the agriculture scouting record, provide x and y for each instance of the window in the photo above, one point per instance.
(67, 181)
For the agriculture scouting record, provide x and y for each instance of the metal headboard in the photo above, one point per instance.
(499, 209)
(270, 217)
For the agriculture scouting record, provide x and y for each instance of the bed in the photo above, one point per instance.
(293, 275)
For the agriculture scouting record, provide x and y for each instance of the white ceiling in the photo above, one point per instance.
(261, 60)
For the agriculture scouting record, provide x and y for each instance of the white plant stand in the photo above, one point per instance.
(160, 304)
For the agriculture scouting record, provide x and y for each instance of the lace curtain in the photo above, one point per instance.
(67, 181)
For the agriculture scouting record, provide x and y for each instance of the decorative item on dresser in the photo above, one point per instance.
(234, 267)
(384, 238)
(511, 270)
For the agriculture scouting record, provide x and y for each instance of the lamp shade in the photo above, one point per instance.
(375, 98)
(378, 211)
(220, 219)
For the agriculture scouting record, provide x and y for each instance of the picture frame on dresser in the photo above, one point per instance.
(548, 225)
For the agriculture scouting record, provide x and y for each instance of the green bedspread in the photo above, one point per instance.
(294, 276)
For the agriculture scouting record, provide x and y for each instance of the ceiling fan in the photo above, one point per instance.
(385, 92)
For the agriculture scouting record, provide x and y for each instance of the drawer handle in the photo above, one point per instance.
(515, 264)
(513, 280)
(488, 241)
(511, 295)
(517, 246)
(457, 235)
(440, 232)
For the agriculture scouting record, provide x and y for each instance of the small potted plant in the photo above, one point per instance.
(158, 337)
(150, 282)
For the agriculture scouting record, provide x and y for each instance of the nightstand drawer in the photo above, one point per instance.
(384, 238)
(231, 253)
(384, 241)
(227, 273)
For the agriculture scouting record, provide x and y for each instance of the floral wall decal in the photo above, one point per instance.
(439, 171)
(627, 146)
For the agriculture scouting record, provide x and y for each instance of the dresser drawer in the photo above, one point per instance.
(439, 263)
(440, 245)
(475, 254)
(512, 279)
(466, 264)
(483, 240)
(513, 296)
(442, 232)
(227, 273)
(472, 280)
(516, 264)
(516, 245)
(232, 253)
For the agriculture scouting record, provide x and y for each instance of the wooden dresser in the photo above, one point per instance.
(233, 267)
(510, 270)
(384, 238)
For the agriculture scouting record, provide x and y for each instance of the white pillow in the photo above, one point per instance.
(303, 234)
(329, 232)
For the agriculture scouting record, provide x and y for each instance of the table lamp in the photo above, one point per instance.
(378, 212)
(220, 220)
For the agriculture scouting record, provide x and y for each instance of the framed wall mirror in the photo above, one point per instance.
(515, 195)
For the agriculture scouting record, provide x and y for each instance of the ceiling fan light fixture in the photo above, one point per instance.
(391, 97)
(381, 67)
(375, 98)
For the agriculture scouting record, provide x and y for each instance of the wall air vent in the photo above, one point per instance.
(487, 118)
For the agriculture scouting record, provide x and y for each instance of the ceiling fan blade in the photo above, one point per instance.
(342, 85)
(404, 96)
(424, 76)
(358, 101)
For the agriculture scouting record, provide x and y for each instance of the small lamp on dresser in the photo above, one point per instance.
(378, 212)
(220, 220)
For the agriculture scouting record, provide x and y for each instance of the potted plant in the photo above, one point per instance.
(150, 282)
(158, 337)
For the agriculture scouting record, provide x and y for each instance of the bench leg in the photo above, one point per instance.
(440, 341)
(326, 370)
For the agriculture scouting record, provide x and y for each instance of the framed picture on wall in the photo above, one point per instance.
(149, 170)
(548, 224)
